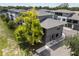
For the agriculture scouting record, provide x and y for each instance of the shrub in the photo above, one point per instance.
(73, 43)
(26, 52)
(4, 18)
(11, 24)
(3, 43)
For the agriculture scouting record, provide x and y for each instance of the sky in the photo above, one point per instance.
(38, 4)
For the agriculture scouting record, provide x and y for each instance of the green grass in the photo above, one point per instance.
(3, 44)
(7, 40)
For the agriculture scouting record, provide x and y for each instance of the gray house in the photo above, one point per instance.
(53, 29)
(13, 13)
(62, 15)
(53, 34)
(74, 21)
(71, 17)
(42, 14)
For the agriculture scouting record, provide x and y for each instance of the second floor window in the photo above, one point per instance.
(63, 19)
(75, 21)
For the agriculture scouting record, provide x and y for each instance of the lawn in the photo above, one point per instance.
(3, 43)
(8, 45)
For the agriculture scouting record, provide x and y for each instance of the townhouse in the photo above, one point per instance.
(71, 17)
(53, 30)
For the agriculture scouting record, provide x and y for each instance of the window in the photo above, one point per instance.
(57, 35)
(69, 20)
(59, 14)
(63, 19)
(75, 21)
(52, 36)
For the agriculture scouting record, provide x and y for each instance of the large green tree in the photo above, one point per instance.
(30, 30)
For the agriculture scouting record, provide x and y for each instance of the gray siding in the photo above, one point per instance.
(51, 34)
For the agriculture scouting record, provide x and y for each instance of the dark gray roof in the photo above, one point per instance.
(42, 13)
(74, 17)
(63, 11)
(16, 10)
(50, 23)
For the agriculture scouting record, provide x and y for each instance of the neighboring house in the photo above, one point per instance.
(13, 13)
(3, 12)
(53, 29)
(42, 15)
(71, 17)
(62, 15)
(74, 21)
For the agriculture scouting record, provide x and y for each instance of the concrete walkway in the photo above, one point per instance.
(56, 50)
(61, 51)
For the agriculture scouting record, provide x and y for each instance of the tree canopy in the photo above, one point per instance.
(30, 30)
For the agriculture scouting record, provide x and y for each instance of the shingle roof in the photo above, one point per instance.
(42, 13)
(50, 23)
(63, 11)
(16, 10)
(74, 16)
